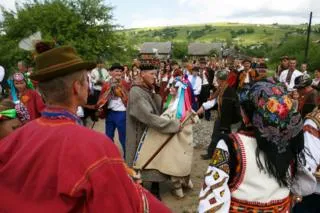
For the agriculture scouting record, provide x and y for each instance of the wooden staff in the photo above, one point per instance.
(191, 115)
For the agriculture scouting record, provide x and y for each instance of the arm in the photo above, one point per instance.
(209, 104)
(108, 186)
(215, 194)
(141, 110)
(305, 182)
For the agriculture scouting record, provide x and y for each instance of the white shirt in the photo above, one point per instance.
(80, 112)
(95, 77)
(116, 104)
(240, 68)
(2, 73)
(315, 82)
(283, 77)
(306, 182)
(209, 104)
(247, 79)
(197, 87)
(204, 78)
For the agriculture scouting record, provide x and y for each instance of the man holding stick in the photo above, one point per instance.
(143, 111)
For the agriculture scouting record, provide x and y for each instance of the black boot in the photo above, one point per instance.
(155, 190)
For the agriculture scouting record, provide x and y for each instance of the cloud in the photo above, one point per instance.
(210, 11)
(248, 11)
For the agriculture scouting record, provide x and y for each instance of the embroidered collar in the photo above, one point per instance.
(56, 113)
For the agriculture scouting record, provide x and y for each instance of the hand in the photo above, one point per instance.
(200, 110)
(296, 199)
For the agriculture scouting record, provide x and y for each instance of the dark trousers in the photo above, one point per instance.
(117, 120)
(90, 112)
(203, 97)
(195, 105)
(214, 137)
(96, 94)
(309, 204)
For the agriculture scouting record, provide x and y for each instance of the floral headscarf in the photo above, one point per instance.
(277, 125)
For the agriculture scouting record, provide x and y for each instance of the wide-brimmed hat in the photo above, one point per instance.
(116, 66)
(59, 62)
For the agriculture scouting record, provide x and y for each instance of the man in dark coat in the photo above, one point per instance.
(228, 111)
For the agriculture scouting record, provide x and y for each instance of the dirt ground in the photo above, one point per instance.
(202, 133)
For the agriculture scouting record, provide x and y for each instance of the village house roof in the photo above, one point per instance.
(204, 49)
(151, 47)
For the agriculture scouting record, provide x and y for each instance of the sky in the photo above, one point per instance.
(152, 13)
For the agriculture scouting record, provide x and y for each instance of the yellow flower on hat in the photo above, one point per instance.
(288, 102)
(272, 105)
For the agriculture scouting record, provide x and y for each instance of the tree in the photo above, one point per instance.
(180, 50)
(84, 24)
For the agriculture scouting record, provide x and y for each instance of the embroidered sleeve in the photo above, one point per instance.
(305, 182)
(215, 194)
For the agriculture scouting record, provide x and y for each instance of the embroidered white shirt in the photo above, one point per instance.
(215, 194)
(95, 77)
(283, 78)
(306, 182)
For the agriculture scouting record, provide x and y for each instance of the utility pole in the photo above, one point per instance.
(308, 38)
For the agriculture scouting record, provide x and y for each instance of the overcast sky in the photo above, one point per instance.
(147, 13)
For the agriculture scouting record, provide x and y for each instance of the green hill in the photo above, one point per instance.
(271, 41)
(231, 33)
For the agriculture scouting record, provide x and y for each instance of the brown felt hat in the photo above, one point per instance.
(59, 62)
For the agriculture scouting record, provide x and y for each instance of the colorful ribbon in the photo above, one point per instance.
(10, 113)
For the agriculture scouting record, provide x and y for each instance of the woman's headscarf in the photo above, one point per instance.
(277, 127)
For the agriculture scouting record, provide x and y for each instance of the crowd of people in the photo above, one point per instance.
(52, 161)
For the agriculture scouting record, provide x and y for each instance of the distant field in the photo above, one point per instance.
(231, 33)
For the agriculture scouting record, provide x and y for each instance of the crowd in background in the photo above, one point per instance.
(216, 84)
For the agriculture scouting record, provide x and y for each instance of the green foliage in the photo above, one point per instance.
(180, 50)
(167, 33)
(84, 24)
(195, 34)
(235, 33)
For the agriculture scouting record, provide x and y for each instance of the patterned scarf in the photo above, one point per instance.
(277, 127)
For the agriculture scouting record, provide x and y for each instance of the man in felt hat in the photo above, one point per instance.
(113, 100)
(143, 111)
(53, 164)
(228, 111)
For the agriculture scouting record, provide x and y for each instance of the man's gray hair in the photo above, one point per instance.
(59, 90)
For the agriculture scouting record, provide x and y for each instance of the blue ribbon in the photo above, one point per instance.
(13, 91)
(180, 104)
(62, 114)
